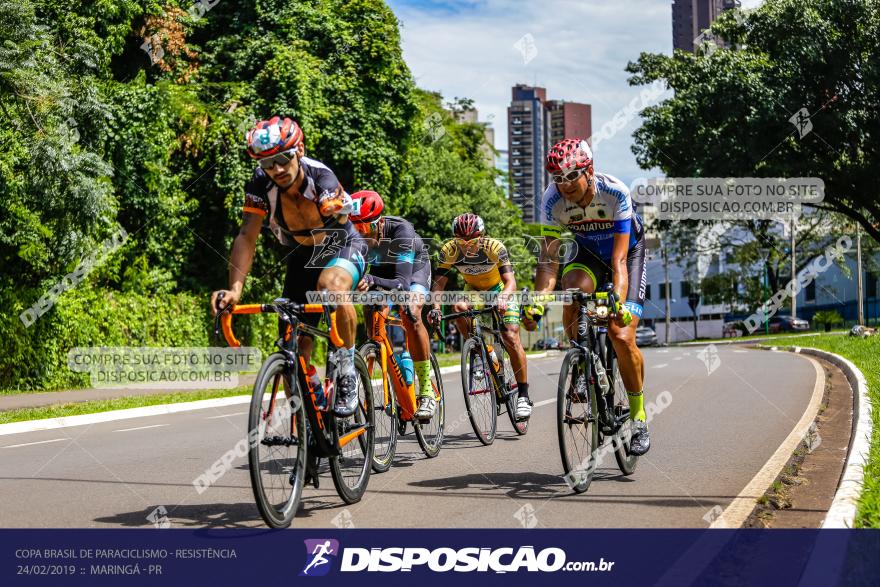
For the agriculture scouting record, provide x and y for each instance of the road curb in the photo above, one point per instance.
(842, 512)
(98, 417)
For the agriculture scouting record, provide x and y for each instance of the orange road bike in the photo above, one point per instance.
(394, 402)
(289, 432)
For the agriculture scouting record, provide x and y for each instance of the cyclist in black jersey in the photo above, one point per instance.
(305, 207)
(398, 260)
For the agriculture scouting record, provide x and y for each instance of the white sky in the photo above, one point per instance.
(467, 48)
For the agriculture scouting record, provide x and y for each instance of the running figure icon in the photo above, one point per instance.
(320, 553)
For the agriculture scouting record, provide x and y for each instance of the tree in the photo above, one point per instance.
(451, 177)
(730, 115)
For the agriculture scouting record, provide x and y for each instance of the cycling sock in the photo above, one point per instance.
(423, 372)
(523, 389)
(636, 405)
(346, 358)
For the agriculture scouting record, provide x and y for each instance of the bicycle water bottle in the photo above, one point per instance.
(404, 360)
(601, 375)
(496, 364)
(317, 386)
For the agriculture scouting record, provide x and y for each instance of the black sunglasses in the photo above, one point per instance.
(279, 159)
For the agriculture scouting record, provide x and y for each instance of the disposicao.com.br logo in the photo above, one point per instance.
(320, 554)
(469, 559)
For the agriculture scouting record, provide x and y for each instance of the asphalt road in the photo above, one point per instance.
(716, 433)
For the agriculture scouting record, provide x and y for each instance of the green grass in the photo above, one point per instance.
(123, 403)
(863, 353)
(760, 336)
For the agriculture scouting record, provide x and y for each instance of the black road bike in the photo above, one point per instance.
(592, 405)
(487, 376)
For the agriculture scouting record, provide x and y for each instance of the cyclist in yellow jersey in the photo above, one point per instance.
(485, 266)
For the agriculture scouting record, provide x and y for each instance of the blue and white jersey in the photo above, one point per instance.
(609, 213)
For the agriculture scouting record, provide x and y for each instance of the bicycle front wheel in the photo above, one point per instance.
(576, 411)
(430, 434)
(278, 442)
(351, 468)
(479, 392)
(384, 409)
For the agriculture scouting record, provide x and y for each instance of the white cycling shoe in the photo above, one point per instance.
(523, 408)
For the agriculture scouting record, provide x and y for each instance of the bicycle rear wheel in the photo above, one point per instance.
(625, 461)
(351, 468)
(479, 394)
(576, 412)
(278, 442)
(511, 397)
(430, 434)
(384, 410)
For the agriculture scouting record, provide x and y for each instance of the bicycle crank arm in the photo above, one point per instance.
(279, 441)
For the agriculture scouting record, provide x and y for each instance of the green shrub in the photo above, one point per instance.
(35, 358)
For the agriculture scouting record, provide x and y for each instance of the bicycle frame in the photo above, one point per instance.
(289, 347)
(590, 326)
(405, 394)
(477, 330)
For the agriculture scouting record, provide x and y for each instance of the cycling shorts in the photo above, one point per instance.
(342, 248)
(599, 271)
(511, 315)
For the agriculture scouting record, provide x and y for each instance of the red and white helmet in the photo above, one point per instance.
(368, 206)
(468, 226)
(273, 136)
(569, 155)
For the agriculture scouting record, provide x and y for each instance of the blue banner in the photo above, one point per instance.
(434, 557)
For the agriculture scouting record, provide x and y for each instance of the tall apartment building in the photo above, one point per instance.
(533, 125)
(691, 17)
(472, 116)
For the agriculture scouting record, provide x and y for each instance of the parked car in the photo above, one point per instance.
(785, 323)
(546, 344)
(645, 336)
(733, 329)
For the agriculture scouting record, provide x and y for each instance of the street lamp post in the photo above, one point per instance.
(765, 286)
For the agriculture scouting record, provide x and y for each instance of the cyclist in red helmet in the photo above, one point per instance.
(598, 210)
(307, 210)
(484, 264)
(399, 260)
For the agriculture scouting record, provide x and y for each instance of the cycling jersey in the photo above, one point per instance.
(401, 260)
(482, 268)
(609, 213)
(319, 185)
(342, 246)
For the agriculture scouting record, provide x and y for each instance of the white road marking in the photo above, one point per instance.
(38, 442)
(545, 402)
(676, 358)
(141, 428)
(660, 366)
(743, 504)
(740, 351)
(226, 415)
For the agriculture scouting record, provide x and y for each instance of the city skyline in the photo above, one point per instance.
(501, 43)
